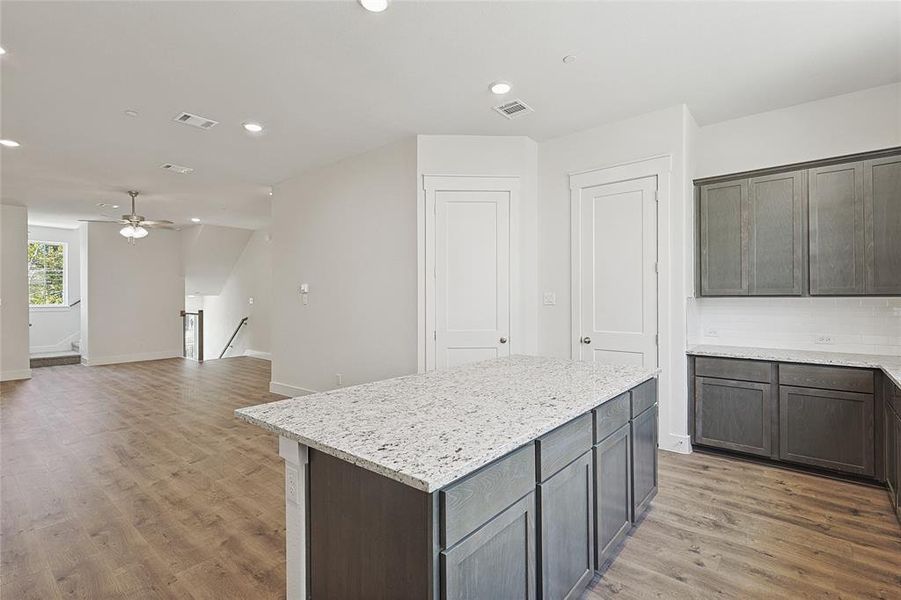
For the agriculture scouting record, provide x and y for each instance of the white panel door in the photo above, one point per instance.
(472, 276)
(618, 256)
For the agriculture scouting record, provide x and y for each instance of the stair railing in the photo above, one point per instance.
(232, 338)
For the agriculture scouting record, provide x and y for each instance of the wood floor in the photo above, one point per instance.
(135, 481)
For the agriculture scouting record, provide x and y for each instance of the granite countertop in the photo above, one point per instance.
(429, 430)
(890, 365)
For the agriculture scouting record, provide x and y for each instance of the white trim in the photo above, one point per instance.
(92, 361)
(425, 359)
(297, 467)
(291, 391)
(15, 375)
(64, 345)
(673, 442)
(258, 354)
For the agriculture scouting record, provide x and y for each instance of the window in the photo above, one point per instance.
(47, 274)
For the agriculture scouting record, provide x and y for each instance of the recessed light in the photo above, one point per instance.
(2, 51)
(131, 113)
(195, 220)
(10, 143)
(253, 127)
(374, 5)
(115, 206)
(569, 58)
(500, 88)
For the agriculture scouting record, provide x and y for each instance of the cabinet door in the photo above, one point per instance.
(723, 224)
(891, 453)
(565, 507)
(882, 206)
(827, 428)
(613, 492)
(776, 235)
(897, 444)
(837, 230)
(497, 561)
(735, 415)
(644, 461)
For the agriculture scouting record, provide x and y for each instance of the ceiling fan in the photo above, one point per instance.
(136, 226)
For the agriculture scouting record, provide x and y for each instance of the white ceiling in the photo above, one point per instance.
(329, 79)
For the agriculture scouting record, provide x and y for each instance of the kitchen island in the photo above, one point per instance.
(508, 478)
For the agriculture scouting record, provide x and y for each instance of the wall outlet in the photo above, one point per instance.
(823, 339)
(712, 333)
(550, 298)
(339, 379)
(291, 481)
(250, 301)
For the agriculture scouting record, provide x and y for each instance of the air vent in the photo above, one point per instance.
(514, 109)
(177, 168)
(195, 121)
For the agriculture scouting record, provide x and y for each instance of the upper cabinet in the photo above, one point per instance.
(837, 230)
(882, 216)
(828, 230)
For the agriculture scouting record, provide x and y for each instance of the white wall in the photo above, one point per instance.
(14, 358)
(847, 124)
(251, 277)
(210, 253)
(858, 122)
(349, 230)
(54, 329)
(664, 132)
(132, 296)
(496, 156)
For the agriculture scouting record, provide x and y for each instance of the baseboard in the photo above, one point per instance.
(95, 361)
(15, 375)
(676, 443)
(289, 390)
(258, 354)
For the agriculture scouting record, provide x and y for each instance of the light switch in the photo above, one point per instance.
(550, 298)
(304, 288)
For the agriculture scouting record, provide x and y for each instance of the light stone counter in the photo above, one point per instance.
(890, 365)
(431, 429)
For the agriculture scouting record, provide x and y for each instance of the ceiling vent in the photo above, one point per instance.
(177, 168)
(195, 121)
(514, 109)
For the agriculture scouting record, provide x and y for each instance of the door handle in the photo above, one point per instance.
(503, 340)
(586, 340)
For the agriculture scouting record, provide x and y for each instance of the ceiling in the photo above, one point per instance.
(329, 80)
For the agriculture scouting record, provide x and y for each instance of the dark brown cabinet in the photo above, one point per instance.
(497, 561)
(818, 416)
(565, 506)
(882, 218)
(613, 490)
(644, 461)
(827, 230)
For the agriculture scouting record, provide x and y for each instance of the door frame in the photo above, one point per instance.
(656, 166)
(426, 256)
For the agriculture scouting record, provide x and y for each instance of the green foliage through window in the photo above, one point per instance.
(46, 273)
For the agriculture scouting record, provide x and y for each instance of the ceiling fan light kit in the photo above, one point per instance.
(136, 226)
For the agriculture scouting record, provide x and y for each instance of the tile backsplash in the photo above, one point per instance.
(865, 325)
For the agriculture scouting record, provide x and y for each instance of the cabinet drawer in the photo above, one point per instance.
(827, 378)
(472, 501)
(733, 368)
(644, 396)
(563, 445)
(610, 416)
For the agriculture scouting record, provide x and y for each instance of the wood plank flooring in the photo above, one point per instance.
(135, 481)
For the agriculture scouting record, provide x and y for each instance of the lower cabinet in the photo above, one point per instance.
(827, 428)
(565, 506)
(892, 429)
(735, 415)
(644, 460)
(497, 561)
(613, 491)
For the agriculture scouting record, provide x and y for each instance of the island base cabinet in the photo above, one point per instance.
(644, 461)
(613, 492)
(565, 507)
(496, 561)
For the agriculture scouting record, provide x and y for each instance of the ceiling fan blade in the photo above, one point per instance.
(153, 225)
(119, 222)
(156, 223)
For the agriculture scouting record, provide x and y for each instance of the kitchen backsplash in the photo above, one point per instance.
(866, 325)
